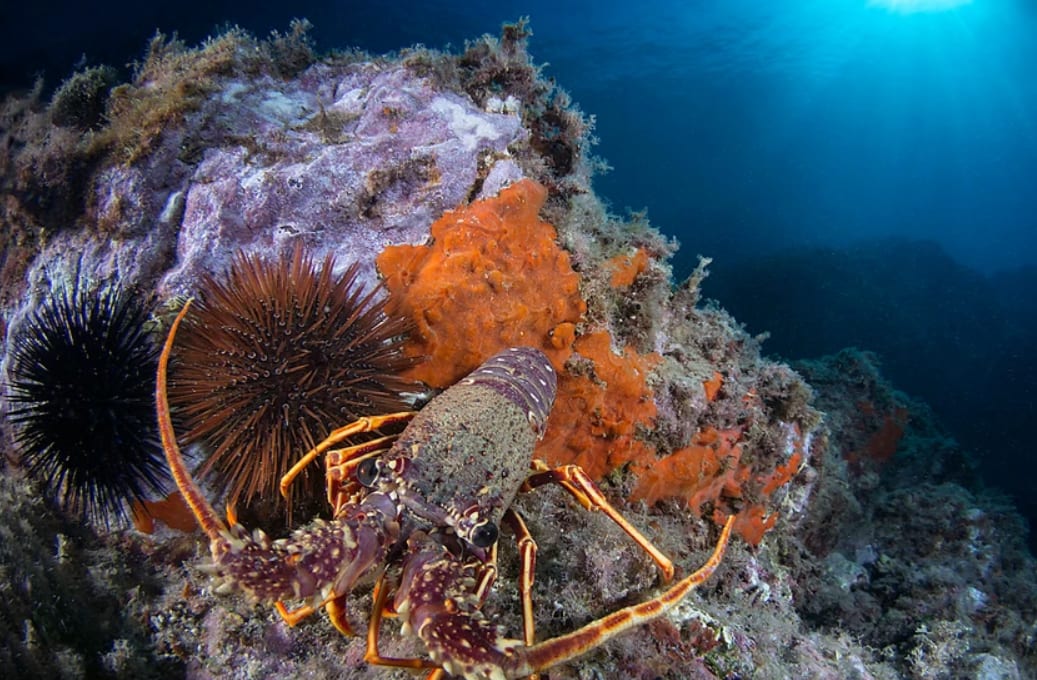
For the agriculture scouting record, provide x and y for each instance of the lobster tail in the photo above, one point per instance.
(523, 376)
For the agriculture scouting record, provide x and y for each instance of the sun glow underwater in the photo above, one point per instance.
(918, 6)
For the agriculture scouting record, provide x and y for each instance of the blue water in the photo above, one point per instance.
(771, 136)
(741, 126)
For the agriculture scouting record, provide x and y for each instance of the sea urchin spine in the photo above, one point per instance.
(80, 396)
(275, 356)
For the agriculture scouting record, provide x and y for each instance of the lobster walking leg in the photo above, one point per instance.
(334, 606)
(336, 611)
(367, 424)
(527, 548)
(374, 627)
(573, 479)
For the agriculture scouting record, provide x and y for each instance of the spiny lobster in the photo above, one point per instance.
(429, 501)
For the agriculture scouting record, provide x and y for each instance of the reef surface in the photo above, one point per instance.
(864, 548)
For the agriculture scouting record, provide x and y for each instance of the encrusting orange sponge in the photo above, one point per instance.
(702, 472)
(626, 268)
(493, 276)
(711, 472)
(597, 412)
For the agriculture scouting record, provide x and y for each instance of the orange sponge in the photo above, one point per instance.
(709, 468)
(713, 385)
(626, 268)
(597, 412)
(492, 277)
(711, 472)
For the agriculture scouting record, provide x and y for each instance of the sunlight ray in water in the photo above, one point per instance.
(915, 6)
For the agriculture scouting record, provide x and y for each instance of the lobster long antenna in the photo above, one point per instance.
(567, 647)
(207, 518)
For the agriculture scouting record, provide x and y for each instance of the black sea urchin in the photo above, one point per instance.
(275, 356)
(81, 397)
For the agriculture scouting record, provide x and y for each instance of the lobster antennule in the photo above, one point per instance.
(207, 518)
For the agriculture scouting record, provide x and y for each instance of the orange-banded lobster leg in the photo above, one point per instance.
(573, 479)
(372, 655)
(374, 626)
(527, 548)
(294, 616)
(367, 424)
(334, 606)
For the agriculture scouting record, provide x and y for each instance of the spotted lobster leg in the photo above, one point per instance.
(527, 549)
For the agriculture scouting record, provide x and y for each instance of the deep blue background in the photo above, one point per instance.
(786, 140)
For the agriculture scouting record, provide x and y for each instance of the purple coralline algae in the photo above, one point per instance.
(403, 154)
(882, 556)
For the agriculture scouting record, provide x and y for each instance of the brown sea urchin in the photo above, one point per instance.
(276, 355)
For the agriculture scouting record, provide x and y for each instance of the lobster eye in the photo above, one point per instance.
(484, 535)
(367, 472)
